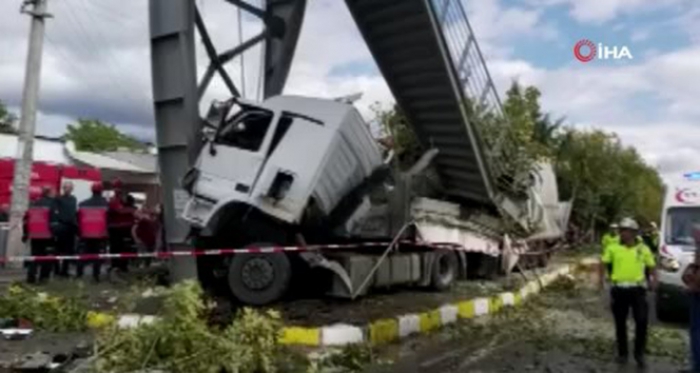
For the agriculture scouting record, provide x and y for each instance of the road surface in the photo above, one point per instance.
(567, 328)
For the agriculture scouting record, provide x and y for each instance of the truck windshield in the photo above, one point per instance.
(246, 129)
(680, 221)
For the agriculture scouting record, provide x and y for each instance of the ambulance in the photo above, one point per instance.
(681, 210)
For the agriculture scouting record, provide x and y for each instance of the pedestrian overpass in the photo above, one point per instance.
(428, 54)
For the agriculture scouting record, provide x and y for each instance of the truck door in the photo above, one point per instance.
(237, 152)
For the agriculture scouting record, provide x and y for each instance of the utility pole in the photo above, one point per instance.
(25, 140)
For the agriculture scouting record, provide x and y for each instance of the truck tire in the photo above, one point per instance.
(445, 270)
(259, 279)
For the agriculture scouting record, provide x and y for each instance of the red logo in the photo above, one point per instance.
(581, 46)
(687, 196)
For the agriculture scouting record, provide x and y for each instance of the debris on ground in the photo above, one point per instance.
(188, 326)
(566, 328)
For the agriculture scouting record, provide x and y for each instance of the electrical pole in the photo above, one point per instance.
(25, 140)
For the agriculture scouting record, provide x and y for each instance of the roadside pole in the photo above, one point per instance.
(25, 141)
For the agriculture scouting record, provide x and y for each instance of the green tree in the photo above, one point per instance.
(8, 121)
(604, 179)
(96, 136)
(536, 131)
(398, 135)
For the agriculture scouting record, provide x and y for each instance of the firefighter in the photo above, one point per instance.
(92, 228)
(627, 261)
(39, 221)
(145, 232)
(4, 213)
(120, 219)
(67, 209)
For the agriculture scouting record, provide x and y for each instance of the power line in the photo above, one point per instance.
(59, 53)
(90, 46)
(240, 41)
(110, 52)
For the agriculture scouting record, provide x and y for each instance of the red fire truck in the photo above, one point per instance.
(48, 174)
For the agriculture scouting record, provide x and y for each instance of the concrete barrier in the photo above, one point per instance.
(396, 328)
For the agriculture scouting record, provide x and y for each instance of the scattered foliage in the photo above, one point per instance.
(182, 341)
(350, 359)
(45, 312)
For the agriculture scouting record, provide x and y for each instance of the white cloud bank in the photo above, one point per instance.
(106, 73)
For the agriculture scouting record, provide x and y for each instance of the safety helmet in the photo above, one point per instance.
(629, 223)
(97, 187)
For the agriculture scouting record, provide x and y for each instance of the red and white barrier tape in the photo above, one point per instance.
(216, 252)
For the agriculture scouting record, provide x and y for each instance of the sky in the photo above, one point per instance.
(97, 64)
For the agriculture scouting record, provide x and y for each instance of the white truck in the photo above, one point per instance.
(296, 170)
(681, 211)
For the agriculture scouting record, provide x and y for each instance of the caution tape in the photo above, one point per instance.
(219, 252)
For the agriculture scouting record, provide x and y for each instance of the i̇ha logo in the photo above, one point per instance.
(586, 51)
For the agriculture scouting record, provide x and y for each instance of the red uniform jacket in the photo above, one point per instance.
(120, 215)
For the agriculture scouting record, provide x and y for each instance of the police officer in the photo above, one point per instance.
(39, 221)
(92, 224)
(627, 262)
(67, 208)
(651, 237)
(611, 236)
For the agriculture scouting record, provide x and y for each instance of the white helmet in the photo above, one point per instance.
(629, 223)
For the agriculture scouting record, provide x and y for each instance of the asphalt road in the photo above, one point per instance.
(562, 331)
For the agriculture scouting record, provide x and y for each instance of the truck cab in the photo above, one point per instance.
(275, 156)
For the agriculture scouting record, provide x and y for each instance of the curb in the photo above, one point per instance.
(390, 330)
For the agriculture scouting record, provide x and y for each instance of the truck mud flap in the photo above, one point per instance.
(317, 260)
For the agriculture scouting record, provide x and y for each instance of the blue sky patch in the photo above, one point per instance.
(354, 69)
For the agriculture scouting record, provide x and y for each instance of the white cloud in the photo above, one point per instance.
(640, 35)
(599, 11)
(498, 27)
(671, 146)
(604, 96)
(329, 38)
(107, 73)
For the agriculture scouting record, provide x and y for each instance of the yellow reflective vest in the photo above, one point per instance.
(609, 239)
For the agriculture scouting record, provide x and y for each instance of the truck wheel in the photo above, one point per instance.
(259, 279)
(445, 270)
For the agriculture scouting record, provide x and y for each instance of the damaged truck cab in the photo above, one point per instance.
(276, 156)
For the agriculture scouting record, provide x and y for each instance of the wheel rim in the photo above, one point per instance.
(257, 274)
(445, 268)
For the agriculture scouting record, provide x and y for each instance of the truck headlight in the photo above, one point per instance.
(669, 264)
